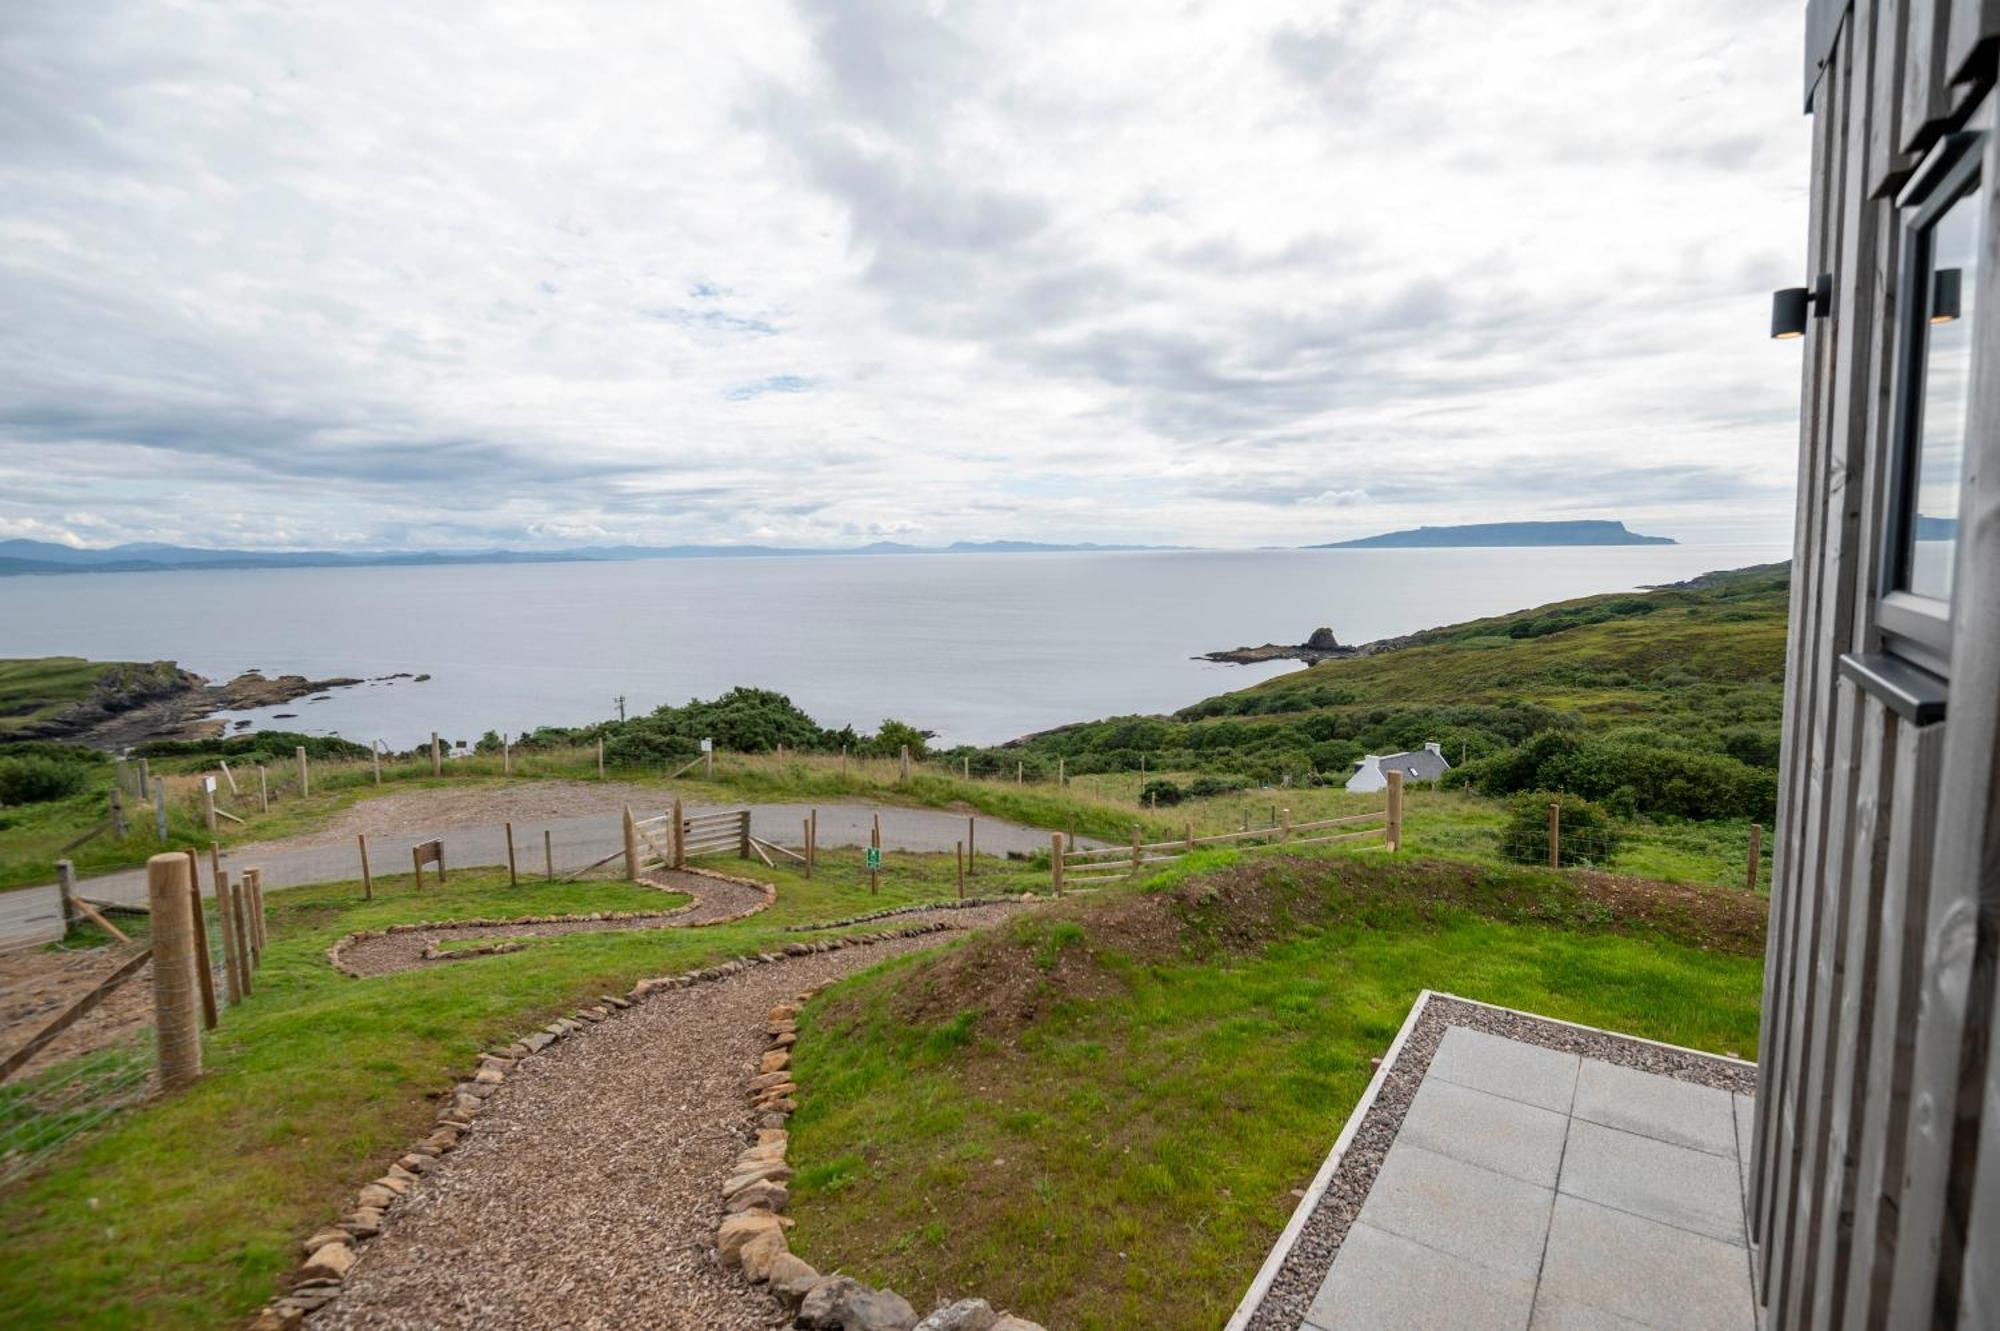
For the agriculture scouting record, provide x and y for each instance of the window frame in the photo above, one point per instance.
(1915, 627)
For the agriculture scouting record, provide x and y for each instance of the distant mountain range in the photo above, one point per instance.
(1503, 534)
(24, 556)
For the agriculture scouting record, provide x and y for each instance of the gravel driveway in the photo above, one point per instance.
(588, 1194)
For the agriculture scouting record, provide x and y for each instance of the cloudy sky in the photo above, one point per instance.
(813, 272)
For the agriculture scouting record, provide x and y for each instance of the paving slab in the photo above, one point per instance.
(1746, 1130)
(1499, 1066)
(1471, 1213)
(1654, 1274)
(1654, 1106)
(1675, 1185)
(1509, 1137)
(1384, 1282)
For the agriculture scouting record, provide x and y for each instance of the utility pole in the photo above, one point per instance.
(621, 706)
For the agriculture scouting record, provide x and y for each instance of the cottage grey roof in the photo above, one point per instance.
(1422, 765)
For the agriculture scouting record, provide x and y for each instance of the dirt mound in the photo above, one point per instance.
(1078, 949)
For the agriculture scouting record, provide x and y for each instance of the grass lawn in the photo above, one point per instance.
(185, 1213)
(1103, 1119)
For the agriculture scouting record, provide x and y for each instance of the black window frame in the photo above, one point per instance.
(1915, 627)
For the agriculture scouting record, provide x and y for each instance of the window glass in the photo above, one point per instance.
(1931, 535)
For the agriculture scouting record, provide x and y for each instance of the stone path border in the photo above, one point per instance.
(330, 1252)
(637, 919)
(1284, 1287)
(923, 908)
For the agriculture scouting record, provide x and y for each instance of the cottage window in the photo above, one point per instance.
(1934, 387)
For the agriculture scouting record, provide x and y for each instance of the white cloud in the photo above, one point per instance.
(1236, 273)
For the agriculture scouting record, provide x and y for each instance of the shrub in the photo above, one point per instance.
(1161, 791)
(34, 779)
(1205, 787)
(1587, 835)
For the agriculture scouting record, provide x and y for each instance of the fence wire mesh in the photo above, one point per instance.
(41, 1110)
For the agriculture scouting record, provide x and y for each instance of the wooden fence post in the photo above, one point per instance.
(513, 874)
(1285, 832)
(1187, 839)
(1756, 850)
(1072, 832)
(1555, 834)
(806, 843)
(904, 773)
(1392, 822)
(972, 846)
(1055, 866)
(263, 790)
(965, 767)
(305, 770)
(437, 756)
(600, 757)
(549, 853)
(231, 973)
(875, 840)
(375, 760)
(506, 756)
(680, 836)
(708, 762)
(177, 1034)
(1136, 853)
(631, 847)
(812, 841)
(743, 835)
(118, 813)
(66, 891)
(253, 880)
(239, 915)
(208, 802)
(960, 849)
(145, 779)
(228, 776)
(1019, 778)
(843, 762)
(417, 865)
(203, 974)
(367, 879)
(1062, 770)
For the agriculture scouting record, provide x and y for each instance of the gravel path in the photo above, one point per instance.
(714, 901)
(588, 1194)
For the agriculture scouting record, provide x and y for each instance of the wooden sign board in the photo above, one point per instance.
(427, 852)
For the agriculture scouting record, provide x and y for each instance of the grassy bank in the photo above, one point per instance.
(185, 1213)
(1102, 1116)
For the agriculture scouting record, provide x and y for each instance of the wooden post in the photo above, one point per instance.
(904, 775)
(549, 853)
(264, 788)
(305, 770)
(875, 840)
(177, 1034)
(231, 972)
(806, 843)
(1135, 850)
(253, 883)
(1187, 839)
(1555, 834)
(631, 847)
(1062, 770)
(1072, 832)
(118, 813)
(239, 913)
(708, 762)
(1055, 865)
(66, 891)
(972, 846)
(417, 865)
(203, 967)
(843, 762)
(680, 836)
(743, 835)
(1392, 823)
(228, 776)
(600, 757)
(960, 846)
(1285, 832)
(506, 756)
(145, 779)
(1756, 851)
(375, 759)
(1018, 777)
(367, 878)
(812, 841)
(965, 767)
(513, 873)
(437, 756)
(208, 803)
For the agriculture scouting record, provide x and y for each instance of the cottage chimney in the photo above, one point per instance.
(1431, 746)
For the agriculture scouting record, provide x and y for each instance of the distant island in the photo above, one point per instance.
(1591, 532)
(24, 556)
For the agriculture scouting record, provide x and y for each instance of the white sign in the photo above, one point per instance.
(208, 784)
(708, 746)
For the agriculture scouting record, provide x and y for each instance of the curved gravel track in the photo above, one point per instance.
(587, 1196)
(713, 901)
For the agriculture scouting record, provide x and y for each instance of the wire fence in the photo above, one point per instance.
(40, 1111)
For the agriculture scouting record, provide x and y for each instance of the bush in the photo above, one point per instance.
(35, 779)
(1161, 791)
(1588, 834)
(1204, 787)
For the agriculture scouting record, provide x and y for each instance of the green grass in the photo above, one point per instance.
(1125, 1157)
(317, 1081)
(36, 689)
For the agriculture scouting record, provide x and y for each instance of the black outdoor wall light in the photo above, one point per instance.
(1945, 305)
(1789, 306)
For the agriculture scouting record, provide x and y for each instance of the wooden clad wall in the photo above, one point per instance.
(1876, 1166)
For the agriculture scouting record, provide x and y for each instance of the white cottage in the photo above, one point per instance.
(1372, 772)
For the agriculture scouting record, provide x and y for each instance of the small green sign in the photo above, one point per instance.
(874, 857)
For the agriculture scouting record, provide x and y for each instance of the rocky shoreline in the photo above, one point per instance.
(135, 703)
(1320, 646)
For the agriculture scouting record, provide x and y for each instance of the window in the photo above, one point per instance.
(1940, 278)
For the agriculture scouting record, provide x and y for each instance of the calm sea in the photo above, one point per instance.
(979, 648)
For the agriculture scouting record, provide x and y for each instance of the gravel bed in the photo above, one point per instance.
(435, 809)
(1291, 1293)
(588, 1196)
(714, 900)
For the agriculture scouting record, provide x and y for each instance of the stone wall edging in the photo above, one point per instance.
(967, 903)
(331, 1251)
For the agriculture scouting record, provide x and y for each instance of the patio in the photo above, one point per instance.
(1506, 1170)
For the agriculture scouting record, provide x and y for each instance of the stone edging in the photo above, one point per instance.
(955, 903)
(752, 1234)
(334, 953)
(330, 1252)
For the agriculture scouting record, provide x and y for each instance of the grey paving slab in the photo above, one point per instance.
(1509, 1137)
(1654, 1274)
(1460, 1209)
(1498, 1066)
(1383, 1282)
(1676, 1185)
(1746, 1120)
(1556, 1315)
(1654, 1106)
